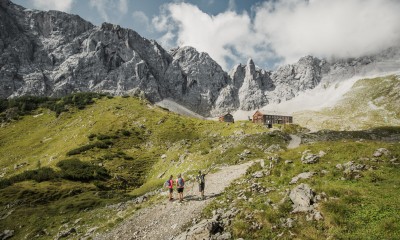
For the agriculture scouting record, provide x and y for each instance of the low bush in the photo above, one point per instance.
(76, 170)
(26, 104)
(91, 136)
(100, 144)
(38, 175)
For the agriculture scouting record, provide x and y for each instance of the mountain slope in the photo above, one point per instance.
(57, 169)
(350, 192)
(369, 103)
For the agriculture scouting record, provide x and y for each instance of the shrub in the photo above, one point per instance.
(79, 150)
(126, 157)
(103, 137)
(109, 156)
(91, 136)
(26, 104)
(76, 170)
(38, 175)
(126, 133)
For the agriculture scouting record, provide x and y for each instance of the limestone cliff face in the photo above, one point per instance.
(195, 79)
(51, 53)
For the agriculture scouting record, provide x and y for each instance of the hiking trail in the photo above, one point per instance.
(295, 142)
(165, 219)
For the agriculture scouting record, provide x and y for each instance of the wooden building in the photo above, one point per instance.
(266, 119)
(226, 118)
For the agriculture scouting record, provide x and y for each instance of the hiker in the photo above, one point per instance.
(201, 180)
(180, 185)
(170, 185)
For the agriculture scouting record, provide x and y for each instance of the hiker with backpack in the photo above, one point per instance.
(180, 185)
(201, 180)
(170, 185)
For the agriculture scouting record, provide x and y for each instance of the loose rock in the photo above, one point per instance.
(304, 175)
(302, 198)
(381, 151)
(6, 234)
(309, 158)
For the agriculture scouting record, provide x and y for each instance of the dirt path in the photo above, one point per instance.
(295, 142)
(165, 220)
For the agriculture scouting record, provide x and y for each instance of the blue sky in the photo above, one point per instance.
(231, 31)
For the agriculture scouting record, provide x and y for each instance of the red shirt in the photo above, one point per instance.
(171, 183)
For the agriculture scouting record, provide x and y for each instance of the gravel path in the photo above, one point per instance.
(165, 220)
(295, 142)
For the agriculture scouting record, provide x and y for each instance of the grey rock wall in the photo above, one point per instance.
(51, 53)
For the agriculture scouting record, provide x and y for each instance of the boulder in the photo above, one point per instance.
(258, 174)
(274, 148)
(20, 165)
(287, 222)
(321, 153)
(309, 158)
(380, 152)
(203, 230)
(302, 198)
(66, 233)
(304, 175)
(225, 236)
(6, 234)
(352, 169)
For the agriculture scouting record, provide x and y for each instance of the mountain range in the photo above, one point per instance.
(51, 53)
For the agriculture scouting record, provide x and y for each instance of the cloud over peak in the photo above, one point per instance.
(64, 5)
(284, 29)
(326, 28)
(106, 8)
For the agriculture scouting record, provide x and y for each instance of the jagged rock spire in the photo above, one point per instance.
(250, 67)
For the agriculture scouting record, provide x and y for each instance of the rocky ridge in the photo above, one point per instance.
(51, 53)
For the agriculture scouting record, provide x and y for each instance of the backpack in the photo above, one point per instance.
(181, 182)
(167, 184)
(200, 178)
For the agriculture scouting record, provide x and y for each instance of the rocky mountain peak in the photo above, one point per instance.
(250, 67)
(4, 3)
(60, 53)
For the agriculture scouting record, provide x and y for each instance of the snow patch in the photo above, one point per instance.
(315, 99)
(177, 108)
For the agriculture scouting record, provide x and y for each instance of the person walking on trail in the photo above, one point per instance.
(201, 180)
(180, 185)
(170, 185)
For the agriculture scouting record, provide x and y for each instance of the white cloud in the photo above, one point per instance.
(107, 8)
(142, 18)
(326, 28)
(232, 5)
(123, 6)
(64, 5)
(218, 35)
(284, 29)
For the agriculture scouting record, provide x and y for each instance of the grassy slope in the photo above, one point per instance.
(370, 103)
(138, 134)
(365, 208)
